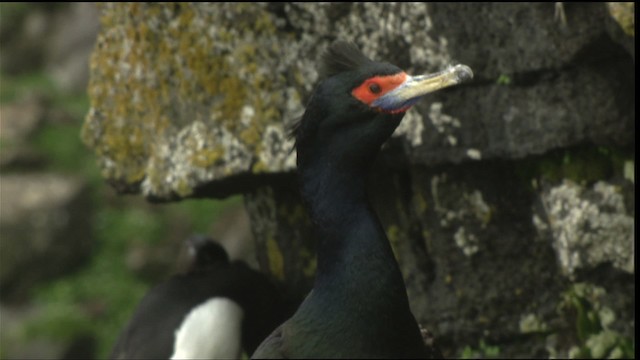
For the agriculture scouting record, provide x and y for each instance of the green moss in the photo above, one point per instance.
(531, 323)
(504, 80)
(483, 351)
(582, 165)
(595, 339)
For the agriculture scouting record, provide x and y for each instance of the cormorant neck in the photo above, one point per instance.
(353, 250)
(333, 193)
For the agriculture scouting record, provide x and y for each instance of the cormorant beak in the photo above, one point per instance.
(406, 94)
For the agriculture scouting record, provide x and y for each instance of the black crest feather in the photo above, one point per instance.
(341, 56)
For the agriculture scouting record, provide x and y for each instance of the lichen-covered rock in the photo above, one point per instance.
(189, 93)
(538, 85)
(284, 248)
(588, 226)
(592, 326)
(184, 95)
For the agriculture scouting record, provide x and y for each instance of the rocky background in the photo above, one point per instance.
(509, 201)
(75, 257)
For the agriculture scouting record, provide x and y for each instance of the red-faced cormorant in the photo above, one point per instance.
(358, 307)
(209, 312)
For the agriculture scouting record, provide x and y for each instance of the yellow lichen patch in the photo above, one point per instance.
(207, 157)
(295, 215)
(624, 15)
(250, 135)
(310, 261)
(183, 188)
(420, 202)
(259, 167)
(393, 233)
(276, 260)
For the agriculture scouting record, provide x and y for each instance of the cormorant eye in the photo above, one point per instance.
(375, 88)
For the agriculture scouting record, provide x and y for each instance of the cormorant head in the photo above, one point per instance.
(358, 104)
(204, 252)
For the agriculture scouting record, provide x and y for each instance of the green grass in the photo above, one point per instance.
(201, 213)
(13, 88)
(65, 151)
(59, 142)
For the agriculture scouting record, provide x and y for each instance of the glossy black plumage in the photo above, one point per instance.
(150, 333)
(359, 306)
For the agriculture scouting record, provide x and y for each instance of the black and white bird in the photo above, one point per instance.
(212, 311)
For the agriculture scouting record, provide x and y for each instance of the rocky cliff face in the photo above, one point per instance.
(498, 197)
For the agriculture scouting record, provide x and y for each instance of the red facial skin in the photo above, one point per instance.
(377, 86)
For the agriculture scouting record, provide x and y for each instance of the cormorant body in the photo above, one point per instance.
(208, 312)
(358, 307)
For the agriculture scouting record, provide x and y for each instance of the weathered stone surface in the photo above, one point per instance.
(589, 226)
(22, 118)
(199, 93)
(57, 37)
(45, 229)
(18, 122)
(538, 86)
(12, 325)
(23, 37)
(73, 36)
